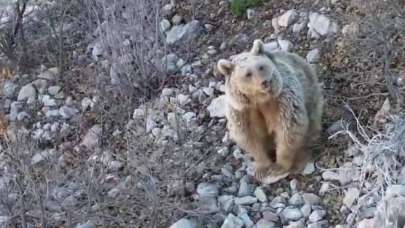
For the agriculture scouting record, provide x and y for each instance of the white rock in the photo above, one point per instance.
(232, 221)
(285, 45)
(366, 223)
(306, 210)
(313, 56)
(309, 169)
(176, 19)
(291, 214)
(296, 200)
(217, 107)
(287, 18)
(244, 189)
(246, 200)
(271, 46)
(52, 113)
(330, 176)
(226, 202)
(321, 24)
(298, 224)
(164, 25)
(262, 223)
(250, 13)
(48, 101)
(183, 32)
(294, 185)
(324, 188)
(92, 137)
(41, 156)
(317, 215)
(98, 50)
(14, 109)
(184, 223)
(351, 195)
(9, 89)
(86, 104)
(54, 90)
(311, 199)
(183, 99)
(260, 194)
(169, 63)
(67, 112)
(246, 220)
(27, 92)
(298, 27)
(23, 115)
(207, 190)
(88, 224)
(274, 179)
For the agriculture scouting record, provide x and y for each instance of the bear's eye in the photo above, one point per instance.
(249, 74)
(261, 68)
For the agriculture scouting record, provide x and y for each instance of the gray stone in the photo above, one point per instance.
(207, 190)
(246, 220)
(311, 199)
(48, 101)
(54, 90)
(262, 223)
(285, 45)
(92, 138)
(401, 177)
(28, 93)
(294, 185)
(296, 200)
(270, 216)
(164, 25)
(232, 221)
(14, 109)
(250, 13)
(217, 107)
(176, 19)
(97, 50)
(320, 224)
(67, 112)
(226, 202)
(351, 195)
(324, 188)
(321, 24)
(88, 224)
(306, 210)
(184, 223)
(169, 63)
(298, 27)
(246, 200)
(309, 169)
(183, 32)
(291, 214)
(9, 89)
(41, 156)
(317, 215)
(313, 56)
(271, 46)
(244, 188)
(288, 18)
(278, 202)
(183, 99)
(4, 220)
(260, 194)
(298, 224)
(330, 176)
(22, 116)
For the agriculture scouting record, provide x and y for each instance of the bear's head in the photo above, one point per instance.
(252, 73)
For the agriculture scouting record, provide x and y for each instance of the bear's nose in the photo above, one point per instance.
(265, 84)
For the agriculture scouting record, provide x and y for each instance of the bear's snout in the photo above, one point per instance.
(265, 84)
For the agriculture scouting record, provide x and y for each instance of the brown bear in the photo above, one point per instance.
(274, 108)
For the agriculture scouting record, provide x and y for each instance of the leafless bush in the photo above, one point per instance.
(377, 45)
(129, 34)
(382, 156)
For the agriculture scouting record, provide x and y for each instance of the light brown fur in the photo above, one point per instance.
(274, 108)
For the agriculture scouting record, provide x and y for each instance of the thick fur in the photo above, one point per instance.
(282, 118)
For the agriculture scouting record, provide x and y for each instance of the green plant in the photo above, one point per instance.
(239, 7)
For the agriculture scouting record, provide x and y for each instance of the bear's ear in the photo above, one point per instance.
(225, 67)
(257, 48)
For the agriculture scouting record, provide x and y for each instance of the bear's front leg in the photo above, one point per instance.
(291, 134)
(251, 139)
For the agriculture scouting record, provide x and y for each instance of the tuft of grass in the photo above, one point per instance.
(239, 7)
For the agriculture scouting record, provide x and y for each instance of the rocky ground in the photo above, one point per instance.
(74, 153)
